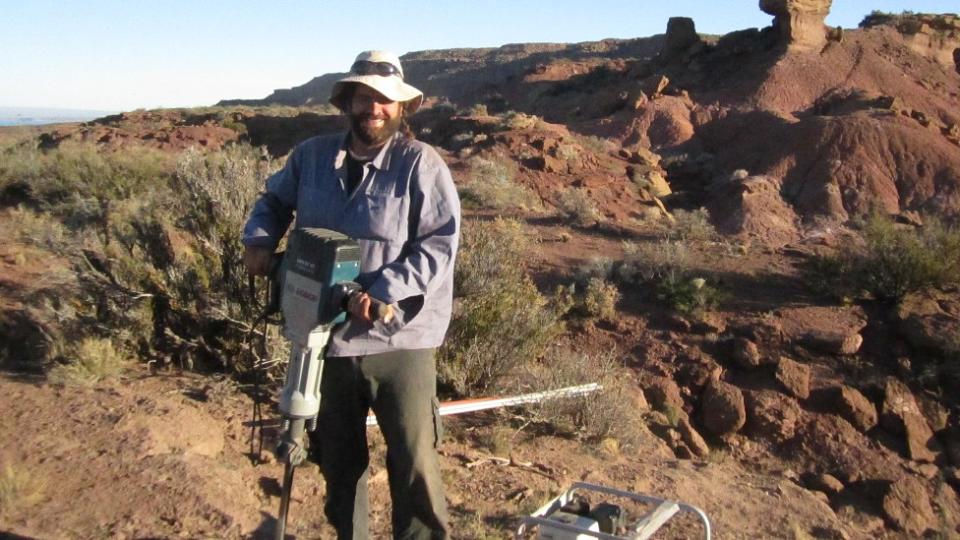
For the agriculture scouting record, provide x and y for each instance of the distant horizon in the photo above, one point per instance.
(110, 55)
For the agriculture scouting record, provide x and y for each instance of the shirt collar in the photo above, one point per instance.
(380, 162)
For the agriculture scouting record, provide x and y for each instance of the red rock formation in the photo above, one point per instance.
(800, 21)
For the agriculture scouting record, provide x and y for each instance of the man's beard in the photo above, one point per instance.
(374, 136)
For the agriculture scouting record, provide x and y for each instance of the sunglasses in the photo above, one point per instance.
(384, 69)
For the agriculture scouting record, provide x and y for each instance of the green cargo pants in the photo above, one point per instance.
(400, 387)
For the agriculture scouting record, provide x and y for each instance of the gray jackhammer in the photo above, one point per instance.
(314, 282)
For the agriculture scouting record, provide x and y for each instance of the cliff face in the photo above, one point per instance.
(930, 35)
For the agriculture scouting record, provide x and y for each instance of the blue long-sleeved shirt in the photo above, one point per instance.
(405, 214)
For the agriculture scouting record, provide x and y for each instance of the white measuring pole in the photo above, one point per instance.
(481, 404)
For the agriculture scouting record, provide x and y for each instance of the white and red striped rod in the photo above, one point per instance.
(481, 404)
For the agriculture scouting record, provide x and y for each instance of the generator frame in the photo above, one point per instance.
(644, 528)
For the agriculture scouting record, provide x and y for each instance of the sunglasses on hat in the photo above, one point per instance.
(384, 69)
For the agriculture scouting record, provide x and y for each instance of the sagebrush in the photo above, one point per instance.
(501, 320)
(891, 262)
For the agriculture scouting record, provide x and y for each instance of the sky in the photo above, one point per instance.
(113, 55)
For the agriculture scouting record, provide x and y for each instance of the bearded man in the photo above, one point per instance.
(396, 197)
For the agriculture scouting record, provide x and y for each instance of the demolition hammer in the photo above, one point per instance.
(313, 283)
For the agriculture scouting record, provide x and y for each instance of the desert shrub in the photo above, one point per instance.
(577, 206)
(91, 361)
(668, 267)
(691, 226)
(18, 489)
(517, 120)
(153, 246)
(688, 295)
(599, 299)
(597, 267)
(604, 413)
(502, 321)
(478, 109)
(493, 186)
(567, 151)
(891, 262)
(653, 261)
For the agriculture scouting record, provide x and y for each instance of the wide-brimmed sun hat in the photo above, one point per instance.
(380, 70)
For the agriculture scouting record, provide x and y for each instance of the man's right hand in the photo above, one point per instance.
(257, 260)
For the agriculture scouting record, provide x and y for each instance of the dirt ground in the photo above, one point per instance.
(169, 455)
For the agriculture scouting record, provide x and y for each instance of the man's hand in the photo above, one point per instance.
(361, 306)
(257, 260)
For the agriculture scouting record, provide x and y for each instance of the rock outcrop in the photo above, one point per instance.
(800, 22)
(932, 35)
(681, 38)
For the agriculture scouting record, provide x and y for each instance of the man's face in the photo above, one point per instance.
(373, 117)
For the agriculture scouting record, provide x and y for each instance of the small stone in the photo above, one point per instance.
(794, 376)
(692, 438)
(854, 407)
(826, 483)
(746, 353)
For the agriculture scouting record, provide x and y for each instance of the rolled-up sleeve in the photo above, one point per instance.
(273, 210)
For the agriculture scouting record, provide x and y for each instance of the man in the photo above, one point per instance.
(397, 198)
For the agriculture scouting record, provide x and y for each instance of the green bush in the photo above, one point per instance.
(493, 186)
(599, 299)
(501, 321)
(668, 266)
(688, 295)
(152, 242)
(891, 262)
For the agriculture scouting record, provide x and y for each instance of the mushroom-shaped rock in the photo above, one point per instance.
(800, 22)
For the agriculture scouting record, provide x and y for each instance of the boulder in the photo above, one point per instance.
(772, 415)
(902, 416)
(800, 22)
(827, 329)
(855, 407)
(696, 370)
(722, 409)
(746, 353)
(794, 376)
(907, 507)
(663, 393)
(826, 483)
(692, 438)
(930, 320)
(831, 342)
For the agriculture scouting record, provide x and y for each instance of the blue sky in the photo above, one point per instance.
(122, 55)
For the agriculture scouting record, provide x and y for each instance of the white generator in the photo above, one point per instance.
(556, 520)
